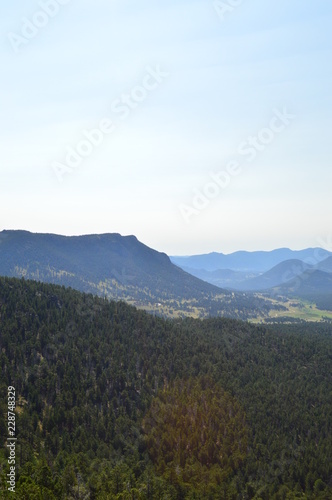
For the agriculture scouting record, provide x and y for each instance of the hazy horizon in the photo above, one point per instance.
(194, 126)
(327, 245)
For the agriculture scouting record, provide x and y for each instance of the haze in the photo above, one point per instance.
(213, 123)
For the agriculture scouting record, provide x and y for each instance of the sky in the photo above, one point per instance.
(197, 126)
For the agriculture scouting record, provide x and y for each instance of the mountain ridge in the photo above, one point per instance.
(76, 251)
(120, 268)
(256, 261)
(281, 273)
(123, 268)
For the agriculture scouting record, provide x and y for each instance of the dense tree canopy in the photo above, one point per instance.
(196, 433)
(89, 375)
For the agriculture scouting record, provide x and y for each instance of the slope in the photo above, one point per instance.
(325, 265)
(312, 285)
(279, 274)
(223, 278)
(87, 372)
(95, 262)
(119, 267)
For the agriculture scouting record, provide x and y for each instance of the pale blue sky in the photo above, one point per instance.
(226, 79)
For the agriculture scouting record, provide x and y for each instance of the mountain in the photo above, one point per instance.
(279, 274)
(309, 283)
(312, 285)
(120, 267)
(291, 278)
(245, 281)
(255, 262)
(107, 398)
(223, 278)
(106, 263)
(325, 265)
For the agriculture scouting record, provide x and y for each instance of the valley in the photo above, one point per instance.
(122, 268)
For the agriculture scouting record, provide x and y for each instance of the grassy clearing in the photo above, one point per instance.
(298, 309)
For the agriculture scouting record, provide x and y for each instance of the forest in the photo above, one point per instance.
(122, 268)
(115, 403)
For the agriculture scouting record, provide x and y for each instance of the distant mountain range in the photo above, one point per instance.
(281, 273)
(308, 277)
(122, 268)
(250, 262)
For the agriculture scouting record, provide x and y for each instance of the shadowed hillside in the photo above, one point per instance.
(119, 267)
(95, 383)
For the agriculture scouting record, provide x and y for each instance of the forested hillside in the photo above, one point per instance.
(122, 268)
(311, 285)
(115, 403)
